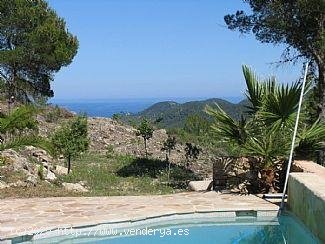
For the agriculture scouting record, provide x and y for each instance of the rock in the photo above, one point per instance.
(83, 183)
(60, 170)
(31, 180)
(74, 187)
(3, 185)
(50, 175)
(17, 162)
(201, 185)
(18, 183)
(40, 155)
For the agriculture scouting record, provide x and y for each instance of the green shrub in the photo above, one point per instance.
(110, 151)
(53, 115)
(40, 172)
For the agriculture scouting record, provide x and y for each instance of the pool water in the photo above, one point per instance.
(284, 229)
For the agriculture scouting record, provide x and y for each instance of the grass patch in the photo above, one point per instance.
(112, 176)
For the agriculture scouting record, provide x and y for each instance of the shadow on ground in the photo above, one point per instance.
(156, 168)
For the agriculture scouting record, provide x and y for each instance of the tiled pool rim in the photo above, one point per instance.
(44, 214)
(221, 217)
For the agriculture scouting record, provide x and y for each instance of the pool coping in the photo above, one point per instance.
(156, 207)
(222, 217)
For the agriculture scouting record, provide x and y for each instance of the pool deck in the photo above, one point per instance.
(42, 214)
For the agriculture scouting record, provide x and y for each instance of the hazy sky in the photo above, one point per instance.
(159, 49)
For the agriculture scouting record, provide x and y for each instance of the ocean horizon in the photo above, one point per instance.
(109, 107)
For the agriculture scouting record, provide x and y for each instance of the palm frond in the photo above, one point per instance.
(281, 105)
(312, 138)
(269, 147)
(255, 90)
(226, 127)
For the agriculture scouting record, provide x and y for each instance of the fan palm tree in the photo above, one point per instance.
(266, 131)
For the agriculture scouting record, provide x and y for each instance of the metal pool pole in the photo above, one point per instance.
(294, 136)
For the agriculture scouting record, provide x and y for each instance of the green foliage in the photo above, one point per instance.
(267, 132)
(172, 115)
(20, 119)
(40, 172)
(109, 151)
(116, 117)
(197, 125)
(192, 151)
(310, 138)
(53, 115)
(299, 24)
(34, 45)
(3, 160)
(169, 144)
(19, 128)
(71, 139)
(145, 130)
(28, 140)
(231, 129)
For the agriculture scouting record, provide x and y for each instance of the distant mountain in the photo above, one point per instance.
(173, 114)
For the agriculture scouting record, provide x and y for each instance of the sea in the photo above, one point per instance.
(109, 107)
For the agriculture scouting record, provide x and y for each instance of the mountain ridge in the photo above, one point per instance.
(173, 114)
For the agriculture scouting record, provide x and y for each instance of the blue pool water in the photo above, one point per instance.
(285, 229)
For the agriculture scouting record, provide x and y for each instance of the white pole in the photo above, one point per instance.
(294, 137)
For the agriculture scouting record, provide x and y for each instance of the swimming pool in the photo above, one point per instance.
(192, 229)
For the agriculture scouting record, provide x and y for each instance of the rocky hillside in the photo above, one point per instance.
(30, 166)
(109, 135)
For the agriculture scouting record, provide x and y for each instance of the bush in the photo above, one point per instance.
(109, 151)
(40, 172)
(53, 115)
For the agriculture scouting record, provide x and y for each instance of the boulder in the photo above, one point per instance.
(40, 155)
(3, 185)
(31, 180)
(77, 187)
(17, 162)
(50, 175)
(60, 170)
(201, 185)
(18, 183)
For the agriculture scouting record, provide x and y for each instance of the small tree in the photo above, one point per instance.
(191, 152)
(168, 146)
(71, 139)
(145, 130)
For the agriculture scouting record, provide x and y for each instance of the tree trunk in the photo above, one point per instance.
(11, 85)
(69, 164)
(321, 86)
(168, 175)
(169, 165)
(321, 106)
(145, 147)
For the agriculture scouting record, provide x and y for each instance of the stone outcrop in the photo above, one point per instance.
(27, 163)
(77, 187)
(60, 170)
(106, 136)
(106, 133)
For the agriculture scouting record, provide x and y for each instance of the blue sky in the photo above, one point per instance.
(159, 49)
